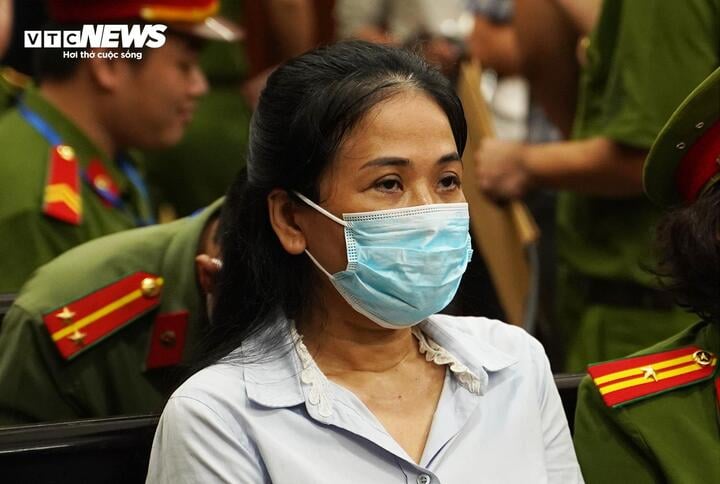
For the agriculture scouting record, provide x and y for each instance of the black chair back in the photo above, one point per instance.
(114, 450)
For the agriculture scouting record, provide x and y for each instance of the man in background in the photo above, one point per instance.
(66, 174)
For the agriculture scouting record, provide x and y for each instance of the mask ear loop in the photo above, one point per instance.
(320, 209)
(317, 264)
(328, 215)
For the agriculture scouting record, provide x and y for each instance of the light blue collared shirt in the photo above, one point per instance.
(499, 420)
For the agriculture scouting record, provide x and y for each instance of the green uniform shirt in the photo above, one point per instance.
(109, 376)
(28, 237)
(671, 437)
(645, 56)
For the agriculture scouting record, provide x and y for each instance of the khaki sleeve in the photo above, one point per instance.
(645, 57)
(605, 449)
(28, 390)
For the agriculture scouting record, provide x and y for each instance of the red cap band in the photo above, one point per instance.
(700, 164)
(78, 11)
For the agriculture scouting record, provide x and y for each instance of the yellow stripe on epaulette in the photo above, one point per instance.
(61, 192)
(61, 197)
(629, 379)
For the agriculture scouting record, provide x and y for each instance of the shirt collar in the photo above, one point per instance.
(275, 381)
(479, 356)
(281, 382)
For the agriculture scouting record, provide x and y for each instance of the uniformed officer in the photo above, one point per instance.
(655, 416)
(644, 57)
(217, 135)
(108, 328)
(65, 173)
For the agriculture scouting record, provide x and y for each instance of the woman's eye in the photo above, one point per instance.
(450, 182)
(389, 185)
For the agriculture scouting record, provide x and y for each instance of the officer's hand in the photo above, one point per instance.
(500, 171)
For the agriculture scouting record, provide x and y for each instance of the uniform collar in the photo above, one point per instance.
(283, 381)
(72, 136)
(178, 270)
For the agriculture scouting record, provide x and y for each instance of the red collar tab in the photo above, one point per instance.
(700, 164)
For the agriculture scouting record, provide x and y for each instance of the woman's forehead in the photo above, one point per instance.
(408, 124)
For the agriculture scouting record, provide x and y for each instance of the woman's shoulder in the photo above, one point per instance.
(219, 388)
(480, 332)
(492, 331)
(234, 386)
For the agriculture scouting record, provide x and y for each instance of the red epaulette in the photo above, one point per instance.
(627, 380)
(101, 180)
(79, 324)
(62, 199)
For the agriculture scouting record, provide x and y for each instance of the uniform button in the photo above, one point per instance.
(424, 479)
(150, 286)
(703, 358)
(65, 152)
(168, 338)
(102, 183)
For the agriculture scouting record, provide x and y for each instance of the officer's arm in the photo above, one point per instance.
(604, 447)
(28, 391)
(596, 166)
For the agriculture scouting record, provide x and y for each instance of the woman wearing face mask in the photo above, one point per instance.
(345, 236)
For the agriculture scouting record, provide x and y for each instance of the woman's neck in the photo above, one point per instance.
(342, 340)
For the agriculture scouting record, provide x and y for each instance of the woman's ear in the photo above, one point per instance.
(283, 210)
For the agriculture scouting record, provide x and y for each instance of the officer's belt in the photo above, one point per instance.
(628, 294)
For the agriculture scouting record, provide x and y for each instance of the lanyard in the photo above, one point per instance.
(127, 168)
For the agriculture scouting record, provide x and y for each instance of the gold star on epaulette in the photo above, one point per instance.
(66, 315)
(78, 337)
(649, 373)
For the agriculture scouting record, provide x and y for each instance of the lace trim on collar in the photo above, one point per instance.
(312, 375)
(440, 356)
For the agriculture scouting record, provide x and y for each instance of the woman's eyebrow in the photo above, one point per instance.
(454, 156)
(398, 161)
(386, 161)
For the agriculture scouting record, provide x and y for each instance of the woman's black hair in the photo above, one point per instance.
(689, 248)
(308, 107)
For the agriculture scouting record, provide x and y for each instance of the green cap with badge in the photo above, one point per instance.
(684, 161)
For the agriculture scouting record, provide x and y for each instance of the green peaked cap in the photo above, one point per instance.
(691, 120)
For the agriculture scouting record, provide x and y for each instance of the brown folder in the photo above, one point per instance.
(501, 233)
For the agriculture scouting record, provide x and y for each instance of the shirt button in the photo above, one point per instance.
(424, 479)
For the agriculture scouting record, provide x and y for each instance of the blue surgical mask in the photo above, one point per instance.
(403, 264)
